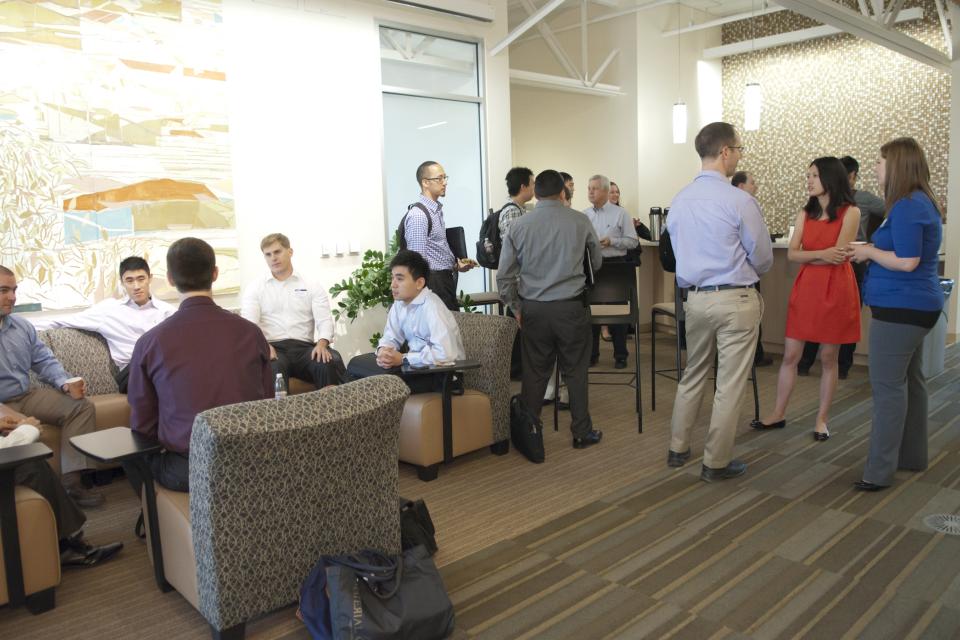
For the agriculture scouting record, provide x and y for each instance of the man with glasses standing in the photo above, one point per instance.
(722, 246)
(425, 232)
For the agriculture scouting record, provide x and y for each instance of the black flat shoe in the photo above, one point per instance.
(620, 364)
(761, 426)
(821, 436)
(675, 459)
(592, 438)
(863, 485)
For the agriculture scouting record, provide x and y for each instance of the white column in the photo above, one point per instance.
(952, 228)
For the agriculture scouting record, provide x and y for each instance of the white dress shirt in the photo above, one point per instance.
(613, 222)
(428, 328)
(291, 309)
(120, 322)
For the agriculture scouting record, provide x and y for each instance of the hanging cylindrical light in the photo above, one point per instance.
(680, 123)
(752, 105)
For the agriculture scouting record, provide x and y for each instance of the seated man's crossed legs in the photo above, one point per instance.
(73, 418)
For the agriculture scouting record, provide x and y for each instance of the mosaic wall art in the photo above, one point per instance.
(833, 96)
(113, 141)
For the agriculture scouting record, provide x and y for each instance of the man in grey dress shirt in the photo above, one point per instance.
(617, 236)
(722, 246)
(541, 277)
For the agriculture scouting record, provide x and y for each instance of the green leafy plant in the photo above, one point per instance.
(367, 287)
(467, 303)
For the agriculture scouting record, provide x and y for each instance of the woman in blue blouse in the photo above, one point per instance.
(903, 291)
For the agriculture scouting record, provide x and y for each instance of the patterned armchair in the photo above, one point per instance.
(481, 416)
(85, 354)
(489, 339)
(273, 486)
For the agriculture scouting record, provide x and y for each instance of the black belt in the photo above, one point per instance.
(723, 287)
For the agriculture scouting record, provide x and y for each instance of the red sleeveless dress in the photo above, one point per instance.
(824, 303)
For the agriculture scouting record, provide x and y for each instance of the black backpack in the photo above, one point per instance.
(490, 232)
(401, 230)
(667, 259)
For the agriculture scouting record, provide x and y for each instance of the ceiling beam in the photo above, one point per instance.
(559, 83)
(526, 25)
(791, 37)
(719, 21)
(852, 22)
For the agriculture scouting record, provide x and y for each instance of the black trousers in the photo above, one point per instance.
(365, 365)
(293, 359)
(40, 476)
(122, 377)
(845, 357)
(557, 331)
(170, 469)
(444, 284)
(619, 334)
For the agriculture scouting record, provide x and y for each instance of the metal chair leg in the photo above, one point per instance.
(653, 361)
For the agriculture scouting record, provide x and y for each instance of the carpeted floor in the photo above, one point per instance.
(789, 550)
(608, 541)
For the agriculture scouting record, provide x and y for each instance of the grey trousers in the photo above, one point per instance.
(898, 439)
(557, 331)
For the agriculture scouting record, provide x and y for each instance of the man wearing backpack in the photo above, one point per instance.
(520, 187)
(423, 230)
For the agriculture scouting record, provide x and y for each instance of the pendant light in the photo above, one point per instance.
(679, 107)
(752, 96)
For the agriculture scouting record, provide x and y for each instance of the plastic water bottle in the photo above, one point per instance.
(279, 387)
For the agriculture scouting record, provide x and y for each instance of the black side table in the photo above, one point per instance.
(446, 395)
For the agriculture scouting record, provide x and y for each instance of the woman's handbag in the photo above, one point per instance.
(416, 526)
(374, 596)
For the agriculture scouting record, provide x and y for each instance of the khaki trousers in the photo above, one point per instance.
(723, 322)
(73, 417)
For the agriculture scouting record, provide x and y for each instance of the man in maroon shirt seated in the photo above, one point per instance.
(199, 358)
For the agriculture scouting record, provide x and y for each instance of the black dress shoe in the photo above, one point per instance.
(675, 459)
(732, 470)
(593, 437)
(77, 553)
(620, 364)
(765, 361)
(863, 485)
(761, 426)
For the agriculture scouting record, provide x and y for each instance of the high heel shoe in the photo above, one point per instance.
(761, 426)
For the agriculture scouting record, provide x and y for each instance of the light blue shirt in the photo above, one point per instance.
(428, 328)
(718, 234)
(613, 222)
(20, 351)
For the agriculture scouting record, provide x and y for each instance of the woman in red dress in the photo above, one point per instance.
(825, 303)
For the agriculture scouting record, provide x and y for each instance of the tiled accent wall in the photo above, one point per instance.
(833, 96)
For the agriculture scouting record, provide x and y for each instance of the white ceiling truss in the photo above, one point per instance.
(582, 80)
(875, 22)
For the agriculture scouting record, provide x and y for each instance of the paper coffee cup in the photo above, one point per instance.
(858, 242)
(74, 380)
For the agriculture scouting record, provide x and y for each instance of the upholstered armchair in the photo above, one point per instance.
(29, 553)
(85, 354)
(274, 485)
(481, 416)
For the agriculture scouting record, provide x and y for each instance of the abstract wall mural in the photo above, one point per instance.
(113, 141)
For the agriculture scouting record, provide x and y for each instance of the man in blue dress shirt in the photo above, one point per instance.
(722, 246)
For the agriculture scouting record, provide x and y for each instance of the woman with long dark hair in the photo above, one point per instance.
(905, 299)
(824, 303)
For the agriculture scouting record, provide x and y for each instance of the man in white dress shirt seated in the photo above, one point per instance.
(292, 311)
(617, 235)
(418, 319)
(120, 322)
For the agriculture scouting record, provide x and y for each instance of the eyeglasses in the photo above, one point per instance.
(440, 178)
(740, 148)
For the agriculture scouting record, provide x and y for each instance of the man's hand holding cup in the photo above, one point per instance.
(76, 388)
